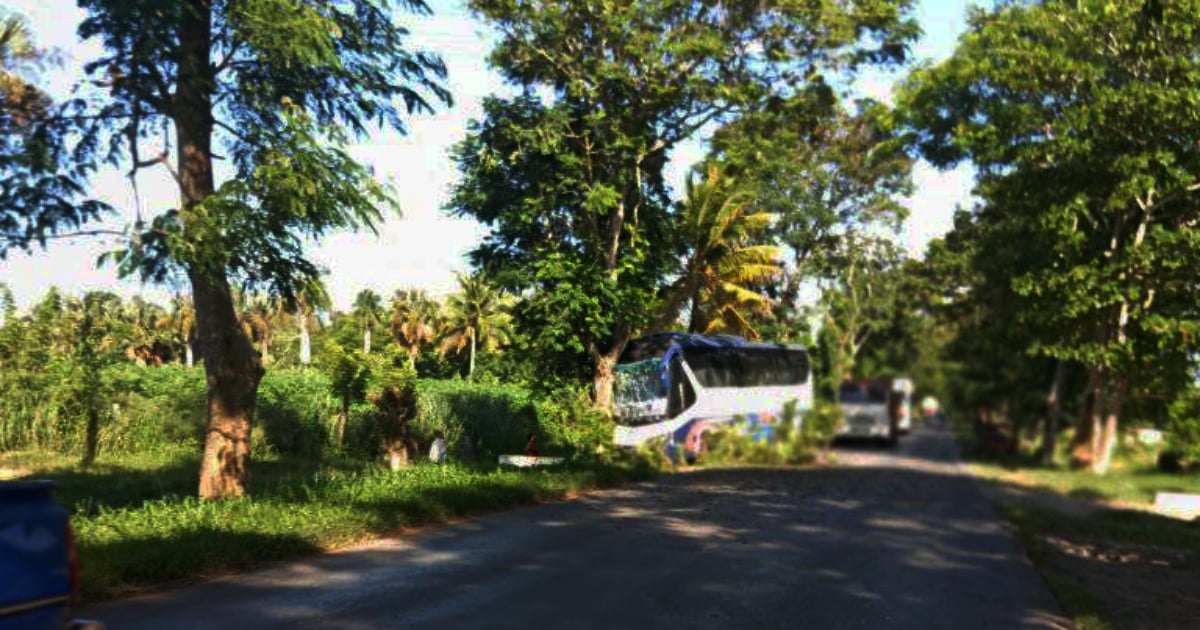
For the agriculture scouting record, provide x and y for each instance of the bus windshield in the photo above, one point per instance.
(862, 394)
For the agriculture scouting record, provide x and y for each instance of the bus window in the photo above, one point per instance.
(680, 394)
(862, 394)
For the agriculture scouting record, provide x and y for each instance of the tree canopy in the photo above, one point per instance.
(568, 174)
(1079, 119)
(276, 90)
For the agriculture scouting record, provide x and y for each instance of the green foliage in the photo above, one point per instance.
(44, 194)
(572, 187)
(293, 413)
(136, 526)
(348, 374)
(735, 443)
(1084, 248)
(572, 425)
(728, 257)
(821, 423)
(320, 78)
(1183, 427)
(499, 416)
(477, 319)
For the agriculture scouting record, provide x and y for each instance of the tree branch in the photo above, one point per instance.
(24, 238)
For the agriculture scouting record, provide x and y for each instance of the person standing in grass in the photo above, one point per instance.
(437, 450)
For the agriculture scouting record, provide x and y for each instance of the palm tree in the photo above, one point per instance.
(725, 261)
(309, 302)
(260, 316)
(368, 310)
(414, 322)
(20, 59)
(183, 326)
(147, 323)
(476, 315)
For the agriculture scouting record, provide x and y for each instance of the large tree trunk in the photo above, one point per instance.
(366, 340)
(1083, 450)
(605, 378)
(1108, 439)
(191, 357)
(1053, 408)
(232, 369)
(604, 381)
(232, 372)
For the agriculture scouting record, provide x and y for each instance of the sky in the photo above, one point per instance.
(423, 248)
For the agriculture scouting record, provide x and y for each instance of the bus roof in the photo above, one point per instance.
(656, 345)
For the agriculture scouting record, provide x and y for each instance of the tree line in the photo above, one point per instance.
(1072, 282)
(1076, 267)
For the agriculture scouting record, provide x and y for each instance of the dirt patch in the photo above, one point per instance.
(1138, 587)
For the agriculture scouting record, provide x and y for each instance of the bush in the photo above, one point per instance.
(500, 416)
(821, 424)
(1183, 427)
(294, 412)
(571, 425)
(146, 409)
(743, 442)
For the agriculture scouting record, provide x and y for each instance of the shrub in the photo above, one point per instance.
(499, 415)
(821, 423)
(571, 425)
(746, 442)
(294, 412)
(146, 409)
(396, 406)
(1183, 427)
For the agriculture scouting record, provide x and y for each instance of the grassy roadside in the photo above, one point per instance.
(1131, 485)
(1112, 566)
(138, 525)
(1111, 561)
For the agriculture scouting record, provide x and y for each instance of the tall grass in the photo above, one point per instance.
(144, 409)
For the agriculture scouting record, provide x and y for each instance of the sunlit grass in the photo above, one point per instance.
(1133, 479)
(1130, 485)
(138, 523)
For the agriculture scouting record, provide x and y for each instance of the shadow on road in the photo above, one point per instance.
(896, 539)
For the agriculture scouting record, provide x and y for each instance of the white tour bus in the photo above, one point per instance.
(676, 385)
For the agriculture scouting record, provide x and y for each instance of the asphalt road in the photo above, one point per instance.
(887, 539)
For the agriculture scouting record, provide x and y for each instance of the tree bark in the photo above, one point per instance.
(1082, 445)
(1108, 438)
(471, 364)
(604, 381)
(605, 378)
(232, 372)
(305, 340)
(232, 369)
(366, 340)
(1053, 409)
(696, 322)
(340, 436)
(189, 353)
